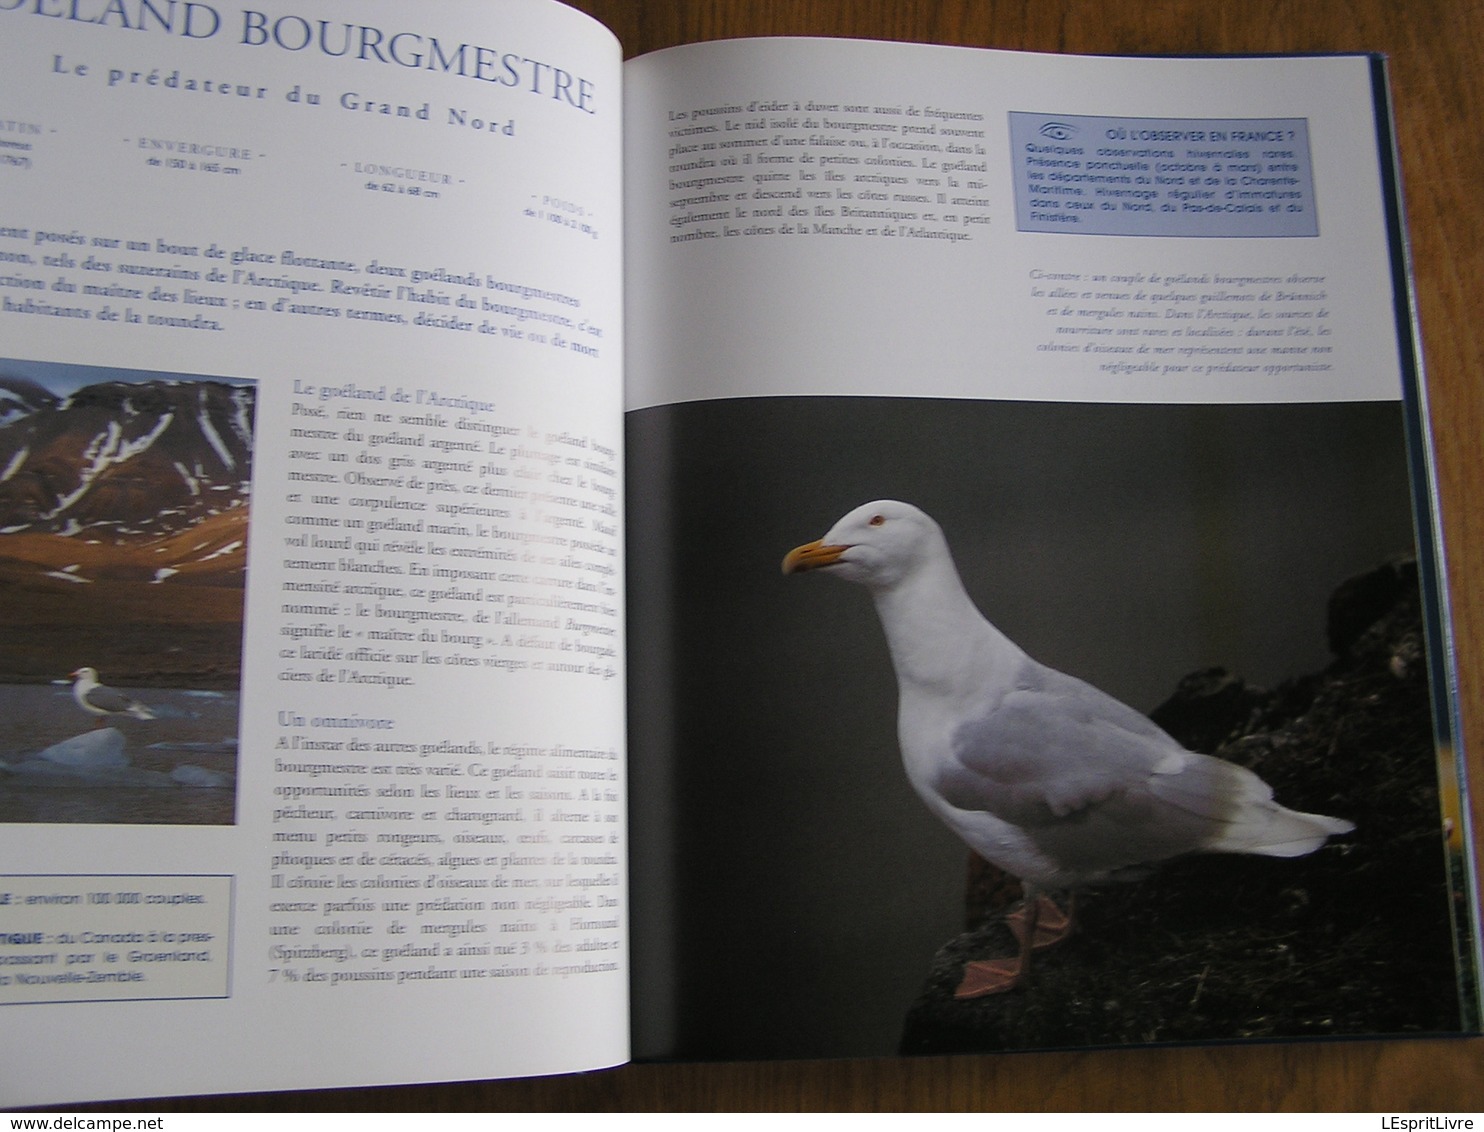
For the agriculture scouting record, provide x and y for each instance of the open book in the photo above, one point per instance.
(406, 413)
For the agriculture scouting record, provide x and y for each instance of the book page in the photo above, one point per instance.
(1127, 332)
(310, 532)
(1206, 244)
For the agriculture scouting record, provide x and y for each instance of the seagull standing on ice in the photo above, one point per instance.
(1048, 778)
(100, 700)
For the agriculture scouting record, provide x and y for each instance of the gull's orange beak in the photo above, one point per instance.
(811, 556)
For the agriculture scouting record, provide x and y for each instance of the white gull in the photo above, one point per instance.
(1041, 774)
(100, 700)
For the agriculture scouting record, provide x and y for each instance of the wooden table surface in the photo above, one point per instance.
(1436, 49)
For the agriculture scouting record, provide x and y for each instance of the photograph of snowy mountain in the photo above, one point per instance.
(124, 505)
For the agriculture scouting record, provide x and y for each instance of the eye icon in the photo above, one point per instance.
(1057, 131)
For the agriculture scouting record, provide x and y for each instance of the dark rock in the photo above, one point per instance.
(1362, 601)
(1354, 939)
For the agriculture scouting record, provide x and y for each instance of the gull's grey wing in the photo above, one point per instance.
(107, 699)
(1093, 783)
(1050, 746)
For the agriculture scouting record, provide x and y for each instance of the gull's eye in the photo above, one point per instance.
(877, 520)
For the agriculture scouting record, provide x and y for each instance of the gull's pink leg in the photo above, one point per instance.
(1051, 924)
(1037, 924)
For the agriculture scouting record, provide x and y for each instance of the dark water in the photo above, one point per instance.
(193, 729)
